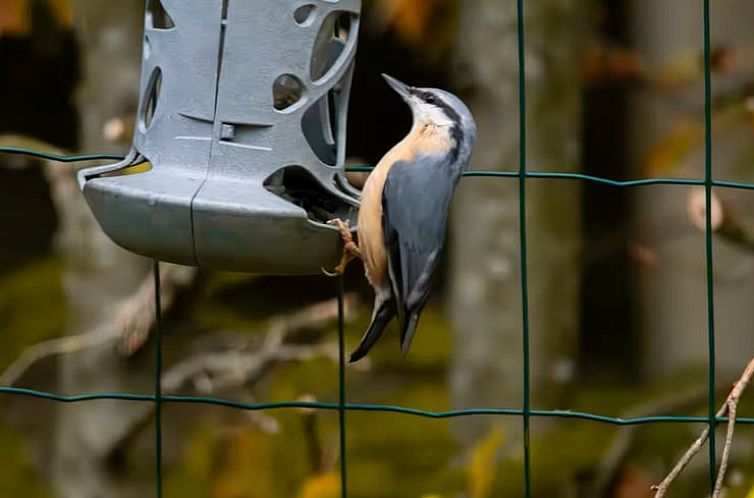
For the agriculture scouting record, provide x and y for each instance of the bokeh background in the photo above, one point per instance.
(617, 275)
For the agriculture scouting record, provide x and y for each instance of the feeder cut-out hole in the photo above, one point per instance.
(152, 97)
(334, 33)
(303, 15)
(287, 90)
(298, 186)
(157, 16)
(320, 127)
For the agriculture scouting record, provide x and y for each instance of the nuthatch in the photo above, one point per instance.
(404, 210)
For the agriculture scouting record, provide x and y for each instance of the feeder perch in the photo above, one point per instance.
(242, 125)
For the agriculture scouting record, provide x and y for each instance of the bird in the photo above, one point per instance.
(404, 210)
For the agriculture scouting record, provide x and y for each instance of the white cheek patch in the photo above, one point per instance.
(425, 112)
(437, 115)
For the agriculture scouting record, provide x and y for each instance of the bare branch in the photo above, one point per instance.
(53, 347)
(134, 318)
(247, 365)
(216, 371)
(662, 488)
(730, 402)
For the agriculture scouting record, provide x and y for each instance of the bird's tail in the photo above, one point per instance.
(409, 328)
(383, 314)
(415, 302)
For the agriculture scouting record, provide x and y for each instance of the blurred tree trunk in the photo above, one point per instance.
(98, 273)
(672, 294)
(485, 285)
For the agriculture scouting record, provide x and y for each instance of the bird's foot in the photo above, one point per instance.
(349, 246)
(350, 249)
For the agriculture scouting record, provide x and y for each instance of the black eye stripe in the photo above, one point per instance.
(432, 98)
(427, 97)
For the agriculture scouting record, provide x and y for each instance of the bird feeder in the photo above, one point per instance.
(241, 132)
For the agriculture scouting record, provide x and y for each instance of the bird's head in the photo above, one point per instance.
(435, 108)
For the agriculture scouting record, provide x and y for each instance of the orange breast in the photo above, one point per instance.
(421, 140)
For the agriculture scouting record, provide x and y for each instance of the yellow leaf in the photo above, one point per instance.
(670, 152)
(682, 68)
(325, 485)
(431, 496)
(750, 494)
(482, 466)
(15, 15)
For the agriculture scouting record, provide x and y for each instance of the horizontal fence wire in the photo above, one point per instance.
(522, 174)
(362, 407)
(473, 173)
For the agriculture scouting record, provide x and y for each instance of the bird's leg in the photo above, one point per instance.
(350, 249)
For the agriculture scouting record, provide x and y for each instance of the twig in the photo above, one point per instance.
(216, 371)
(730, 402)
(249, 366)
(134, 318)
(662, 488)
(212, 372)
(52, 347)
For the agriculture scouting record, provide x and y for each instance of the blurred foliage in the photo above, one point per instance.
(389, 455)
(482, 466)
(325, 485)
(750, 494)
(218, 453)
(427, 25)
(674, 148)
(19, 476)
(32, 307)
(16, 15)
(23, 141)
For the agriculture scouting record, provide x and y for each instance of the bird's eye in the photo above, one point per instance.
(430, 99)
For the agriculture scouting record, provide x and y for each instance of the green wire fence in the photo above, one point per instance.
(526, 412)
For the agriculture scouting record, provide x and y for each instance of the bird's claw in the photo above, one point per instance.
(332, 274)
(337, 271)
(349, 247)
(341, 266)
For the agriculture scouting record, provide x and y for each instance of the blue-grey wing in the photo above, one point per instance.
(415, 202)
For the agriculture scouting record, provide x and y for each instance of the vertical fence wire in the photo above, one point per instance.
(522, 241)
(342, 390)
(157, 377)
(708, 243)
(708, 183)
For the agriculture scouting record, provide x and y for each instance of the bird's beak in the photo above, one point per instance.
(401, 88)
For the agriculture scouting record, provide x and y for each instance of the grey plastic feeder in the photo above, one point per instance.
(242, 117)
